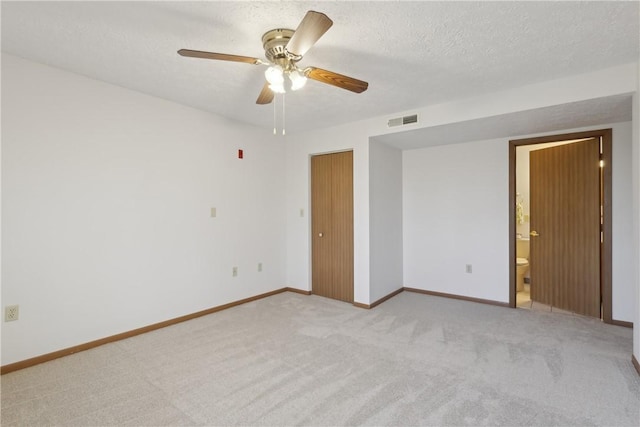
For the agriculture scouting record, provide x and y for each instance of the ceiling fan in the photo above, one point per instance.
(283, 49)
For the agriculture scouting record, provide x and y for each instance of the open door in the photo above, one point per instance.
(565, 211)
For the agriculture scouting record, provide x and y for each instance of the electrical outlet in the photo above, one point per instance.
(259, 266)
(468, 268)
(234, 272)
(11, 313)
(213, 213)
(301, 212)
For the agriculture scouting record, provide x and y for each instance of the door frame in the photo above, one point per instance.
(606, 248)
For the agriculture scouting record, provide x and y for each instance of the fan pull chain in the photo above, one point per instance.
(274, 115)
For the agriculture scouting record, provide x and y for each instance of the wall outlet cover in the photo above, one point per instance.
(11, 313)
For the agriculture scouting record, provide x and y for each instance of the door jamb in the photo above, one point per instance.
(606, 248)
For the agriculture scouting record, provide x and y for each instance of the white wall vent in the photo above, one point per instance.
(401, 121)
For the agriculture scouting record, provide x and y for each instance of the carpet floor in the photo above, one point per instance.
(291, 359)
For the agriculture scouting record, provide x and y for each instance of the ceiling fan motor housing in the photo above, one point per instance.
(274, 43)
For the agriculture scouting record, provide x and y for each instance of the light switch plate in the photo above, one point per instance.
(213, 212)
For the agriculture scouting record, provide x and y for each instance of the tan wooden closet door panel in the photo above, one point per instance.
(321, 247)
(342, 225)
(565, 213)
(332, 225)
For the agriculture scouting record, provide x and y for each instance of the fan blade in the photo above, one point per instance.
(335, 79)
(311, 28)
(220, 56)
(266, 95)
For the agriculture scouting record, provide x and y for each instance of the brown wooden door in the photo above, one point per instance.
(565, 215)
(332, 225)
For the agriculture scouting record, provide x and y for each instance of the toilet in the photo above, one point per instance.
(522, 262)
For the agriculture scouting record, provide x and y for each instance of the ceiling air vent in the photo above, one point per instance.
(401, 121)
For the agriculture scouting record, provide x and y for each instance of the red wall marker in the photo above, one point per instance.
(240, 154)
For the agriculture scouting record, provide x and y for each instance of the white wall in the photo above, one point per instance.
(300, 148)
(455, 200)
(622, 273)
(106, 197)
(385, 201)
(455, 213)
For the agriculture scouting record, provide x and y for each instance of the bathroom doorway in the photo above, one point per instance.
(560, 257)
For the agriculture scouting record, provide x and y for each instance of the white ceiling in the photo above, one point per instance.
(413, 54)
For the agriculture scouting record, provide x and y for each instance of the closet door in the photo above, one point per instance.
(332, 225)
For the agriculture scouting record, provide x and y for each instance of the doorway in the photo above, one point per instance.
(564, 283)
(332, 225)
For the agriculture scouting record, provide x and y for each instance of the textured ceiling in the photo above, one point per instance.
(413, 54)
(610, 109)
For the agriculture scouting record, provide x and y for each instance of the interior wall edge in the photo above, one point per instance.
(387, 297)
(298, 290)
(622, 323)
(459, 297)
(635, 363)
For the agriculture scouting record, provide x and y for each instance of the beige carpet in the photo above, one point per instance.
(304, 360)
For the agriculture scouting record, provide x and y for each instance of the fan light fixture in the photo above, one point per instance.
(275, 77)
(284, 48)
(298, 79)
